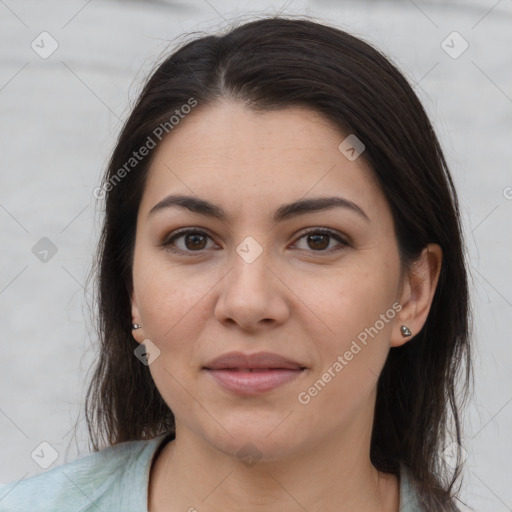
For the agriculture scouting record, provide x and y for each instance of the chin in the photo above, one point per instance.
(250, 444)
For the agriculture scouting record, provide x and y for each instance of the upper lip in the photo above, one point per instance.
(233, 360)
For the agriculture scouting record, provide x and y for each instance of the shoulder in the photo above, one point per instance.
(409, 499)
(102, 480)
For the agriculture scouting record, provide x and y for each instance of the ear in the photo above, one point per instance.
(417, 294)
(138, 334)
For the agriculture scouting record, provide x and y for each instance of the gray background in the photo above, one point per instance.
(59, 119)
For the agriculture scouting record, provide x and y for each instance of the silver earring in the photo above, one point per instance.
(405, 331)
(136, 326)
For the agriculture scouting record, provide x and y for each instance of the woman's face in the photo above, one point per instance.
(251, 283)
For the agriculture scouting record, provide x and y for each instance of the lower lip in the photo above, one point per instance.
(252, 383)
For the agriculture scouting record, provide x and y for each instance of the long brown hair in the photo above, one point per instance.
(274, 63)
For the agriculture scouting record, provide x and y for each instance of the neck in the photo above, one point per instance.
(191, 475)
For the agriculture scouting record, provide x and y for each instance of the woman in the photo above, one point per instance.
(283, 298)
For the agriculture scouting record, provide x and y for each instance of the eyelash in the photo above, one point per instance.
(168, 242)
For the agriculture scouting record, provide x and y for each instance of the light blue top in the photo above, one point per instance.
(113, 479)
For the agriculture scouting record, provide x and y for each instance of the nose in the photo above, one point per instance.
(253, 295)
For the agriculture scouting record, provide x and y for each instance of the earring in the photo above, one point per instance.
(405, 331)
(136, 326)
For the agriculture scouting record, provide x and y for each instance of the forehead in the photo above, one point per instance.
(242, 157)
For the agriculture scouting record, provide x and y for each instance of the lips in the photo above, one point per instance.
(254, 362)
(251, 374)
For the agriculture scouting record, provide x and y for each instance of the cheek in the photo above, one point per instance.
(357, 306)
(168, 307)
(168, 299)
(172, 308)
(171, 300)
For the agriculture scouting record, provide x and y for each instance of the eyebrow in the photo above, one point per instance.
(284, 212)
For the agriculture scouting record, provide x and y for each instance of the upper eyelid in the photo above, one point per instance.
(313, 229)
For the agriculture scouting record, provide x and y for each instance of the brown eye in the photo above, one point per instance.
(191, 240)
(318, 242)
(195, 241)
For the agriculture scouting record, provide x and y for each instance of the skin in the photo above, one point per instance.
(298, 298)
